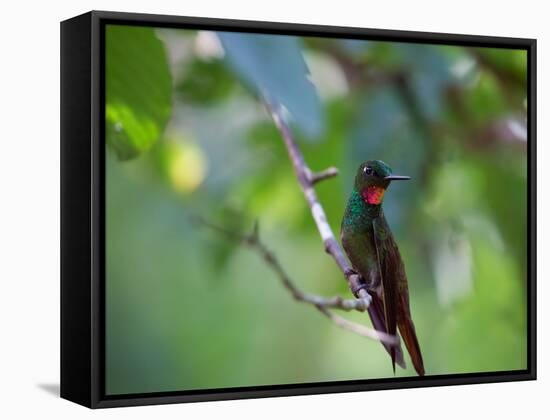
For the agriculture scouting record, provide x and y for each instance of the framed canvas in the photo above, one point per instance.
(254, 209)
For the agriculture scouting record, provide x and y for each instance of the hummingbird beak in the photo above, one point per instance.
(397, 178)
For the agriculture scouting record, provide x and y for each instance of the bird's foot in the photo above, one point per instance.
(356, 288)
(356, 284)
(365, 299)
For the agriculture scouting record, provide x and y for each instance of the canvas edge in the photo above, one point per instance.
(75, 185)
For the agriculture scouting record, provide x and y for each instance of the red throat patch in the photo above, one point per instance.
(373, 194)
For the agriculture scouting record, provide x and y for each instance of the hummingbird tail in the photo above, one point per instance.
(376, 313)
(406, 328)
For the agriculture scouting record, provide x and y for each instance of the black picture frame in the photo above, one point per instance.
(83, 213)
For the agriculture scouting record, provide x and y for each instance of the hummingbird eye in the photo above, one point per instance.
(367, 170)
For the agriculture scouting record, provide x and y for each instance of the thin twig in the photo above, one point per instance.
(323, 304)
(360, 329)
(322, 175)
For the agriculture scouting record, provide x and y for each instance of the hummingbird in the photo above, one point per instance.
(374, 256)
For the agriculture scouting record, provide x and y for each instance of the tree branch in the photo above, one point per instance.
(332, 247)
(303, 173)
(323, 304)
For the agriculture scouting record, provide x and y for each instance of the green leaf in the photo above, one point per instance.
(138, 89)
(273, 66)
(205, 82)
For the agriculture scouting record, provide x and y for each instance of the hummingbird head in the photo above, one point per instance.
(373, 178)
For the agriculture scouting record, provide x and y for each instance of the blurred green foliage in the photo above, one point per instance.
(187, 135)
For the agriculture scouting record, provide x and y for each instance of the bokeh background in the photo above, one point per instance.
(187, 134)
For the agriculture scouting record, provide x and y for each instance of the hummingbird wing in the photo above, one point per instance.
(376, 314)
(389, 285)
(358, 247)
(396, 291)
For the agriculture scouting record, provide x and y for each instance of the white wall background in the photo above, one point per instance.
(29, 208)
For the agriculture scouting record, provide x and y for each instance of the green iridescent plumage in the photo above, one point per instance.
(373, 253)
